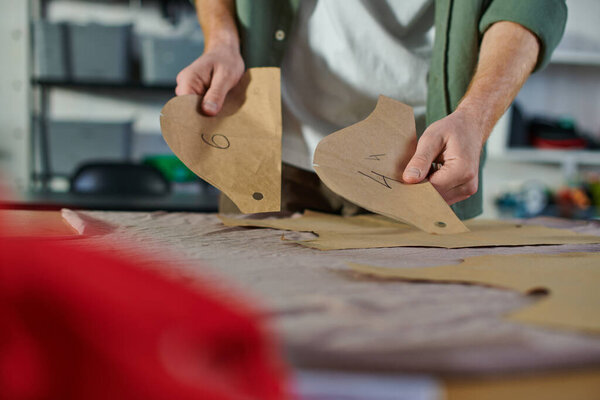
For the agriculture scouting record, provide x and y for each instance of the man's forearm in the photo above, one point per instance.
(508, 54)
(217, 19)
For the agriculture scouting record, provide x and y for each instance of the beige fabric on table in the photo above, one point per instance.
(330, 317)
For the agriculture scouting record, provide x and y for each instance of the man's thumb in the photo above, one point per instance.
(213, 101)
(418, 167)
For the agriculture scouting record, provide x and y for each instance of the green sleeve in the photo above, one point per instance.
(545, 18)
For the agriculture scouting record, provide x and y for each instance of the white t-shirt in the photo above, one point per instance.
(341, 56)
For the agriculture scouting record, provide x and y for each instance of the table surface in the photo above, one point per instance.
(330, 318)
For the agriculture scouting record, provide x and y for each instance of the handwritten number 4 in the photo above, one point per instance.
(381, 179)
(375, 157)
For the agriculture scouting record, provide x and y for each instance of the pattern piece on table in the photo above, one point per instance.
(570, 280)
(364, 162)
(36, 224)
(374, 231)
(239, 150)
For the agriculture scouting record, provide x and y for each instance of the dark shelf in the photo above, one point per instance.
(132, 85)
(39, 200)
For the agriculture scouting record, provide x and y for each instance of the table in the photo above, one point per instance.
(330, 318)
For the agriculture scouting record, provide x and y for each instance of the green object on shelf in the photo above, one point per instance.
(595, 191)
(171, 167)
(567, 123)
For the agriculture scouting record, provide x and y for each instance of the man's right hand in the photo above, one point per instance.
(212, 75)
(220, 67)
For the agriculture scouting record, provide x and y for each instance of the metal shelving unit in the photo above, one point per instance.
(132, 85)
(40, 177)
(36, 192)
(41, 88)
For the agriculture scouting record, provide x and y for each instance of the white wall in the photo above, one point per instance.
(566, 88)
(583, 25)
(14, 95)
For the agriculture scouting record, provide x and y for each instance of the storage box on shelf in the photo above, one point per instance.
(163, 58)
(74, 142)
(90, 53)
(100, 53)
(50, 60)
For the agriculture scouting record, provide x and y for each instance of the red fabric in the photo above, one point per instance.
(83, 324)
(575, 143)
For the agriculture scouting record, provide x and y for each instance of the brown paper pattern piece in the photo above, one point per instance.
(570, 279)
(375, 231)
(364, 163)
(239, 150)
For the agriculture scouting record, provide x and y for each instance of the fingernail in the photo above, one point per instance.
(209, 106)
(413, 172)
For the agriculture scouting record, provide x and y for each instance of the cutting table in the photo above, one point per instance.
(330, 318)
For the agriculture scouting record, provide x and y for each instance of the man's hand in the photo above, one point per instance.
(507, 56)
(212, 75)
(220, 67)
(456, 143)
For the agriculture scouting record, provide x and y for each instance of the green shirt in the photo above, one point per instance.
(265, 25)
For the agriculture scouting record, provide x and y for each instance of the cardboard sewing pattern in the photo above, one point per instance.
(569, 279)
(239, 150)
(36, 224)
(375, 231)
(364, 163)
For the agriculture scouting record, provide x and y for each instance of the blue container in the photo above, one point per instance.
(164, 58)
(100, 53)
(50, 51)
(71, 143)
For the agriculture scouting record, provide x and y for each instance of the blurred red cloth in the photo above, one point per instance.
(84, 324)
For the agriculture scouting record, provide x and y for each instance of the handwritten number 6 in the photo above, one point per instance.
(217, 141)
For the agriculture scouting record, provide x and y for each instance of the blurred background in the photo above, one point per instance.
(82, 87)
(82, 84)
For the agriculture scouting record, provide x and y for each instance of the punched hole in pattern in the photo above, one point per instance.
(538, 292)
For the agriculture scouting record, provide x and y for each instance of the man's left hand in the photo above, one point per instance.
(455, 142)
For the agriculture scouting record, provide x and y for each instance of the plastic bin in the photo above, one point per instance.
(100, 53)
(72, 142)
(148, 143)
(171, 168)
(50, 51)
(163, 58)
